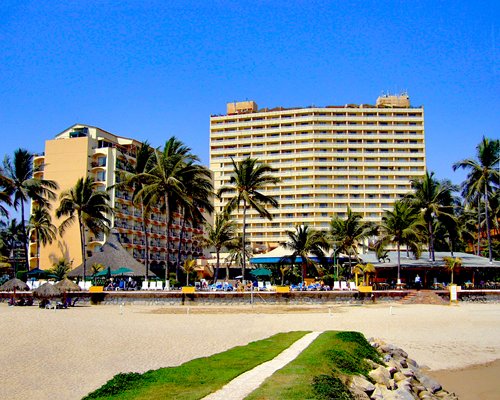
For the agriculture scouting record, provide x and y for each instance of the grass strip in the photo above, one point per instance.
(314, 374)
(196, 378)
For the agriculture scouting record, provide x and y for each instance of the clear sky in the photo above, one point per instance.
(153, 69)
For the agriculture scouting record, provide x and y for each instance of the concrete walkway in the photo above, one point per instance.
(246, 383)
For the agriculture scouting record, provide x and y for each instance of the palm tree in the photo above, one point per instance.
(401, 227)
(87, 206)
(238, 253)
(248, 178)
(189, 266)
(5, 194)
(20, 182)
(451, 264)
(348, 233)
(483, 178)
(131, 179)
(42, 228)
(198, 191)
(162, 181)
(303, 242)
(434, 200)
(10, 237)
(219, 235)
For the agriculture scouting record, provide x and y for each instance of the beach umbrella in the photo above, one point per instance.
(13, 285)
(122, 271)
(67, 285)
(37, 273)
(47, 290)
(261, 272)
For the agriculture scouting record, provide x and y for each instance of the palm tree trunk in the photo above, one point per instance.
(167, 221)
(478, 225)
(25, 237)
(183, 226)
(82, 240)
(304, 271)
(243, 263)
(488, 233)
(217, 265)
(146, 248)
(431, 242)
(399, 262)
(37, 250)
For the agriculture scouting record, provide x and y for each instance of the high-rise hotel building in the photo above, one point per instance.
(328, 158)
(87, 151)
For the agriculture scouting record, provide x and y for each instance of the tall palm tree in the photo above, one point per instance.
(10, 236)
(162, 181)
(189, 267)
(196, 200)
(483, 178)
(347, 233)
(434, 200)
(19, 179)
(86, 206)
(5, 194)
(238, 253)
(248, 178)
(219, 235)
(130, 178)
(303, 242)
(42, 228)
(400, 226)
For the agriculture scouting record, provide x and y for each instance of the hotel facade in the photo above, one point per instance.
(87, 151)
(327, 158)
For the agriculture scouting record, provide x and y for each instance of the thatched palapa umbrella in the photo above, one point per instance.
(47, 290)
(67, 285)
(13, 285)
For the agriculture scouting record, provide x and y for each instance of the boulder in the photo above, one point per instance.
(430, 384)
(398, 376)
(358, 394)
(401, 394)
(362, 383)
(380, 375)
(380, 392)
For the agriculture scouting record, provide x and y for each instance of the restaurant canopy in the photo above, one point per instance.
(281, 255)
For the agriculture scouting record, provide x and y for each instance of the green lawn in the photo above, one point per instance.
(331, 354)
(197, 378)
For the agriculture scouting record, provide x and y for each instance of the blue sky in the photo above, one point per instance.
(153, 69)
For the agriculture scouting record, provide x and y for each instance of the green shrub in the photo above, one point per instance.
(363, 348)
(329, 387)
(118, 384)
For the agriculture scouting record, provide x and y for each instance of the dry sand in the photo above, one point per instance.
(65, 354)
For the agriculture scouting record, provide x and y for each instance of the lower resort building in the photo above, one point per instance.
(82, 151)
(327, 158)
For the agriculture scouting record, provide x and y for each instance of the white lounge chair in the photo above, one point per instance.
(159, 285)
(352, 286)
(343, 285)
(336, 285)
(87, 285)
(30, 284)
(145, 285)
(268, 285)
(260, 285)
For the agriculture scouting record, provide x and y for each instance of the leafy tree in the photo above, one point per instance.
(434, 200)
(189, 267)
(19, 180)
(42, 229)
(483, 178)
(451, 264)
(219, 235)
(86, 206)
(162, 181)
(61, 268)
(401, 226)
(131, 178)
(303, 242)
(198, 191)
(348, 233)
(248, 179)
(238, 253)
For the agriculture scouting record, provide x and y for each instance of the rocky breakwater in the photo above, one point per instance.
(400, 378)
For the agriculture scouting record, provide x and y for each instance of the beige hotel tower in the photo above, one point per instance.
(328, 158)
(84, 150)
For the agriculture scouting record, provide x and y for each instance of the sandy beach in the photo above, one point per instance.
(65, 354)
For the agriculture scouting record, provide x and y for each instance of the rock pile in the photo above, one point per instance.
(400, 378)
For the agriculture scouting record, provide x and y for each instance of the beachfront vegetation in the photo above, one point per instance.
(42, 230)
(219, 235)
(197, 378)
(303, 242)
(249, 177)
(87, 207)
